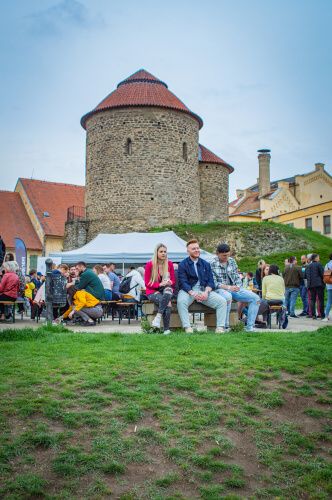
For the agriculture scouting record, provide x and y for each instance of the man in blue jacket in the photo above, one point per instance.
(196, 283)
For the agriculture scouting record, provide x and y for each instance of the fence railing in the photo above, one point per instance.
(75, 212)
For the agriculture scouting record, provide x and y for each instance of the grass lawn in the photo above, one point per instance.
(152, 417)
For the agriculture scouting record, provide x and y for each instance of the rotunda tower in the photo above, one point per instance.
(142, 166)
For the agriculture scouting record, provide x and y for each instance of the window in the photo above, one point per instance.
(327, 224)
(33, 262)
(185, 151)
(308, 224)
(291, 224)
(129, 147)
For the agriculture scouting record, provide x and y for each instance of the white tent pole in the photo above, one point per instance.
(122, 268)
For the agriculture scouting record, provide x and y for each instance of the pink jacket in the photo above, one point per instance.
(10, 285)
(154, 287)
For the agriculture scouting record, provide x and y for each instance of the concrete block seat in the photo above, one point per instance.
(149, 309)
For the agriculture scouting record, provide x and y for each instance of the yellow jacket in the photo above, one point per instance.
(82, 299)
(29, 287)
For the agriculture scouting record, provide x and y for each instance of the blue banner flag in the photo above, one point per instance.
(21, 255)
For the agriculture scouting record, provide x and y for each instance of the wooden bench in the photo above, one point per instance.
(149, 309)
(112, 306)
(11, 304)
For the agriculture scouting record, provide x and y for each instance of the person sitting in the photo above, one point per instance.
(159, 280)
(9, 286)
(115, 280)
(106, 282)
(88, 281)
(273, 291)
(136, 286)
(196, 283)
(248, 281)
(85, 307)
(265, 271)
(227, 280)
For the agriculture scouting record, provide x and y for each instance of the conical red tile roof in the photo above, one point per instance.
(206, 156)
(141, 89)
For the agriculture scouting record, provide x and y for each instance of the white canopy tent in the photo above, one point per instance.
(128, 248)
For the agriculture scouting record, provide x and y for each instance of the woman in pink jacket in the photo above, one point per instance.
(159, 280)
(9, 286)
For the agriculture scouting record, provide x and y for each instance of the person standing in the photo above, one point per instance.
(328, 267)
(229, 285)
(259, 273)
(292, 276)
(303, 287)
(314, 274)
(159, 280)
(2, 251)
(196, 283)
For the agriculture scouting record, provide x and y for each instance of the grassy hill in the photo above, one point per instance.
(252, 241)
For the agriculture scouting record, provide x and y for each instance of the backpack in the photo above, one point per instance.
(125, 285)
(327, 277)
(58, 289)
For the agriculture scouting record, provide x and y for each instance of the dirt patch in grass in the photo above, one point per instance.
(292, 410)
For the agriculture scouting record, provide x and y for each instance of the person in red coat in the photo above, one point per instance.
(159, 280)
(9, 286)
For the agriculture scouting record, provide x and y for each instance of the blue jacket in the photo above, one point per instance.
(188, 278)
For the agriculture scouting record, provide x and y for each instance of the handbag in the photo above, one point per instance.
(327, 277)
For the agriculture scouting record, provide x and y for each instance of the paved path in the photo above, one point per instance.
(109, 326)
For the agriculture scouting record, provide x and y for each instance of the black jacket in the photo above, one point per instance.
(314, 274)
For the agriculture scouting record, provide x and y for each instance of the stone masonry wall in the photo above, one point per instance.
(214, 192)
(152, 186)
(75, 234)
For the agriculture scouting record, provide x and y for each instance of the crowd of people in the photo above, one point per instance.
(78, 291)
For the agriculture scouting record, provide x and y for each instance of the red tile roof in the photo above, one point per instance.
(54, 198)
(250, 202)
(15, 222)
(206, 156)
(141, 89)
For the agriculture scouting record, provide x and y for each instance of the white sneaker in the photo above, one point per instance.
(325, 320)
(189, 330)
(156, 322)
(220, 329)
(167, 332)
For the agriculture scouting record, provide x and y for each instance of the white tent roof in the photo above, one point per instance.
(128, 248)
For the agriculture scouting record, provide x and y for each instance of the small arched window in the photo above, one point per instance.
(185, 151)
(129, 147)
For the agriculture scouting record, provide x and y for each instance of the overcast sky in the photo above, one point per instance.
(258, 72)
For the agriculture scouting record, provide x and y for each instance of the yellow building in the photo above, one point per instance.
(303, 201)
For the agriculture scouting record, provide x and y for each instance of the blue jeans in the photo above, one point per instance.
(215, 301)
(329, 302)
(290, 297)
(228, 296)
(253, 301)
(304, 298)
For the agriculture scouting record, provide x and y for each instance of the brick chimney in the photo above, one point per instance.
(264, 171)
